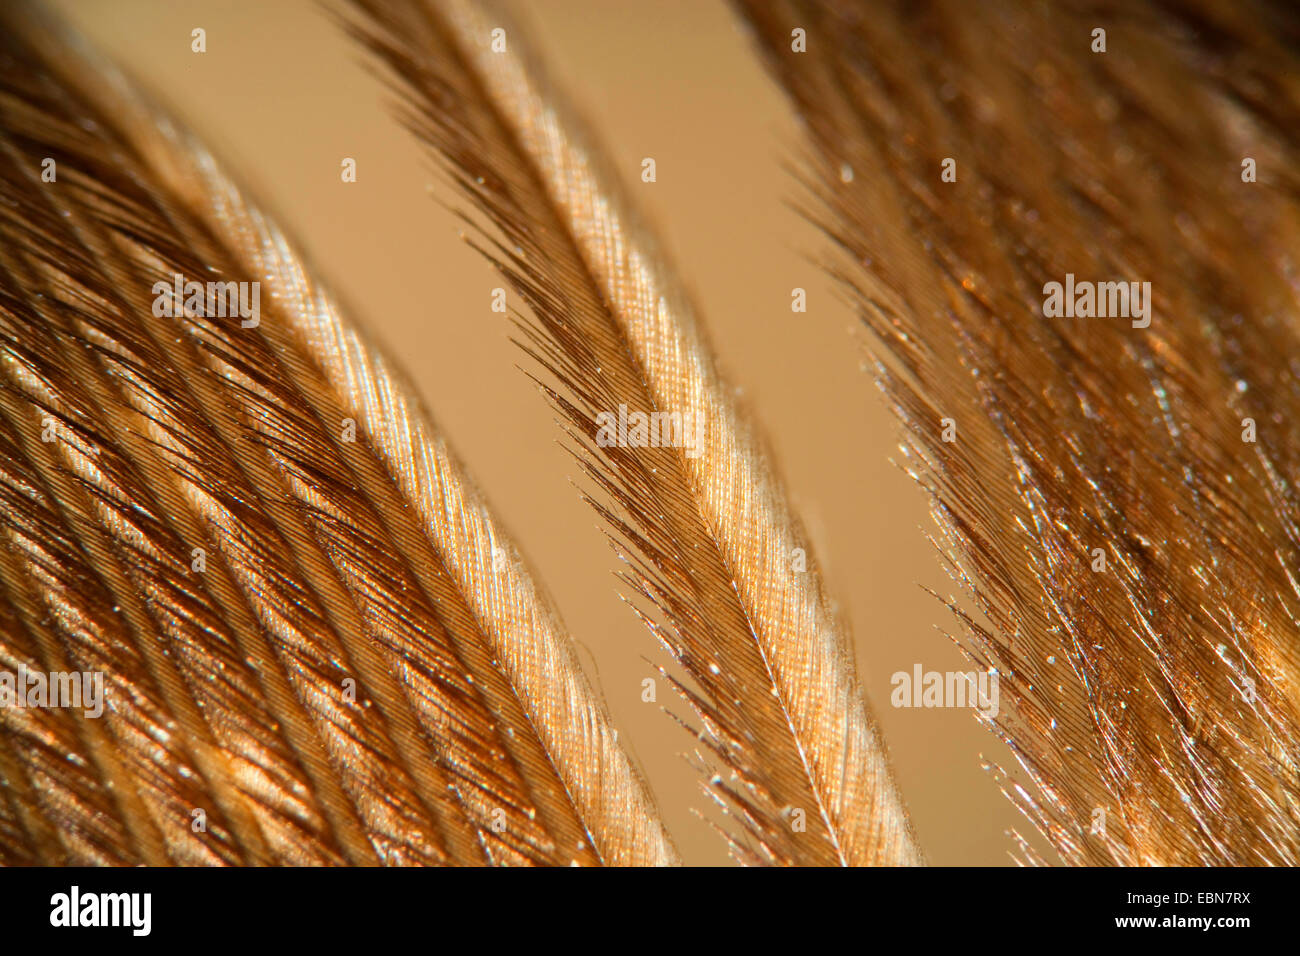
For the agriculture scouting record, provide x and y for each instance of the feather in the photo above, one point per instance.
(1129, 542)
(706, 530)
(317, 645)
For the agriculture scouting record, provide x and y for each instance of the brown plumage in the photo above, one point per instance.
(319, 647)
(1158, 695)
(311, 628)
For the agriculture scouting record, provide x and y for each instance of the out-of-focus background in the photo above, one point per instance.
(282, 97)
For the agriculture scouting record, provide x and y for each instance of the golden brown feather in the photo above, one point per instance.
(1158, 695)
(709, 540)
(355, 676)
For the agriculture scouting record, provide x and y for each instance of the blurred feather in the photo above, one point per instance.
(709, 540)
(1159, 696)
(364, 672)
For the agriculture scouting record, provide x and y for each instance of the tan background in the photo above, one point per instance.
(281, 96)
